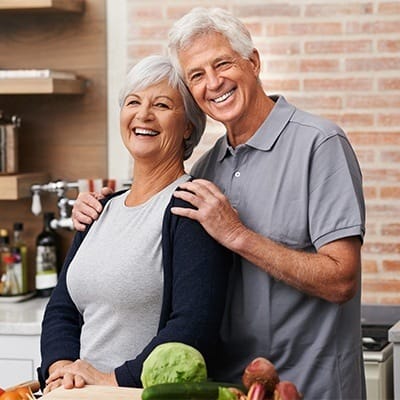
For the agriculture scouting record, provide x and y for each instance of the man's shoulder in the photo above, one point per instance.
(208, 159)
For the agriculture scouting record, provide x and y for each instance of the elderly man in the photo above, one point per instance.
(283, 190)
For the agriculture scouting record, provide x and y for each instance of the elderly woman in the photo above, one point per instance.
(139, 276)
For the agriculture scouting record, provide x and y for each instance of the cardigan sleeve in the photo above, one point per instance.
(61, 325)
(196, 270)
(62, 322)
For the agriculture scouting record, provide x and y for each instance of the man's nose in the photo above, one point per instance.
(213, 80)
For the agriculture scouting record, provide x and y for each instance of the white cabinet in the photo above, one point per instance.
(20, 326)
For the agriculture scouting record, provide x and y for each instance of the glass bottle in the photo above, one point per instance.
(46, 258)
(5, 251)
(10, 284)
(20, 252)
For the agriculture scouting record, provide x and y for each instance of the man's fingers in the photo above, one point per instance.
(106, 191)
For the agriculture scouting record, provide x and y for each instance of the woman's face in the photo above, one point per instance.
(153, 124)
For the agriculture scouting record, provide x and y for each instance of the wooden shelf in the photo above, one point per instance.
(74, 6)
(18, 186)
(42, 86)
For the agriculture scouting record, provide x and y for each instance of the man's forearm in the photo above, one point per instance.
(331, 273)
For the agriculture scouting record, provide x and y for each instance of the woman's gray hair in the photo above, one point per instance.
(154, 69)
(200, 21)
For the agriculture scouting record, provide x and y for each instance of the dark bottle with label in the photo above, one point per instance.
(46, 258)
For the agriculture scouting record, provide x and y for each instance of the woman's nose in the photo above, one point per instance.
(143, 113)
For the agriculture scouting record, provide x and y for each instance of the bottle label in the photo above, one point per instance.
(46, 267)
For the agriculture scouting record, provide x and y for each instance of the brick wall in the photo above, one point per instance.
(340, 59)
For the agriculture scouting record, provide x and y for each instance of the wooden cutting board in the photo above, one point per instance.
(95, 392)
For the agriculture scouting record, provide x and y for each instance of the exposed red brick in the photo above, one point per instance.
(391, 265)
(299, 29)
(374, 138)
(144, 13)
(278, 48)
(267, 10)
(373, 64)
(394, 299)
(389, 45)
(369, 266)
(382, 210)
(390, 8)
(389, 119)
(350, 119)
(373, 101)
(383, 26)
(350, 84)
(151, 32)
(281, 66)
(389, 84)
(371, 228)
(319, 65)
(381, 175)
(337, 9)
(137, 51)
(308, 102)
(369, 298)
(271, 85)
(365, 155)
(370, 192)
(381, 285)
(338, 46)
(391, 229)
(390, 156)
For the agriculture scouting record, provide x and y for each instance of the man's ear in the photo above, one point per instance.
(255, 62)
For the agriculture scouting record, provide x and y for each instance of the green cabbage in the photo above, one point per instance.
(173, 363)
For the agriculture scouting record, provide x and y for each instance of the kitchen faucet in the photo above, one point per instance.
(64, 204)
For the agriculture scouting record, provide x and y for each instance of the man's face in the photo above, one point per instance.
(221, 81)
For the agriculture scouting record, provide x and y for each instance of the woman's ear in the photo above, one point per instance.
(188, 130)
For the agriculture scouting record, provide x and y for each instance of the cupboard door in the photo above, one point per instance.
(19, 358)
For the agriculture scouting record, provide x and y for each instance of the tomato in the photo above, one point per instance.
(1, 391)
(11, 396)
(21, 393)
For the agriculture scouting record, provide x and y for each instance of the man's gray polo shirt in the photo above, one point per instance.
(297, 182)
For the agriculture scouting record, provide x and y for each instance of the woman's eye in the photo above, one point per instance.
(162, 105)
(132, 102)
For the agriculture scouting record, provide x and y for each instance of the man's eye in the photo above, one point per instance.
(222, 64)
(195, 77)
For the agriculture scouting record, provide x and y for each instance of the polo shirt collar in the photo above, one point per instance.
(269, 131)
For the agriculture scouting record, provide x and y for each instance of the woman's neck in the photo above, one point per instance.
(149, 181)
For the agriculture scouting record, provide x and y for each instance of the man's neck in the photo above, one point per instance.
(242, 130)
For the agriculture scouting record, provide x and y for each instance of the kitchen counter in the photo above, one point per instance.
(394, 337)
(20, 327)
(22, 318)
(95, 392)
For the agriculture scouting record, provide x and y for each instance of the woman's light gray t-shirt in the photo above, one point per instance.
(116, 280)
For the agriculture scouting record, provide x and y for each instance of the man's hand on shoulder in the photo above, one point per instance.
(87, 208)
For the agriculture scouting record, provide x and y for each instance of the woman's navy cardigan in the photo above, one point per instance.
(196, 270)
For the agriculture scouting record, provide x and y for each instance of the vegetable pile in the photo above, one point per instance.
(262, 381)
(178, 371)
